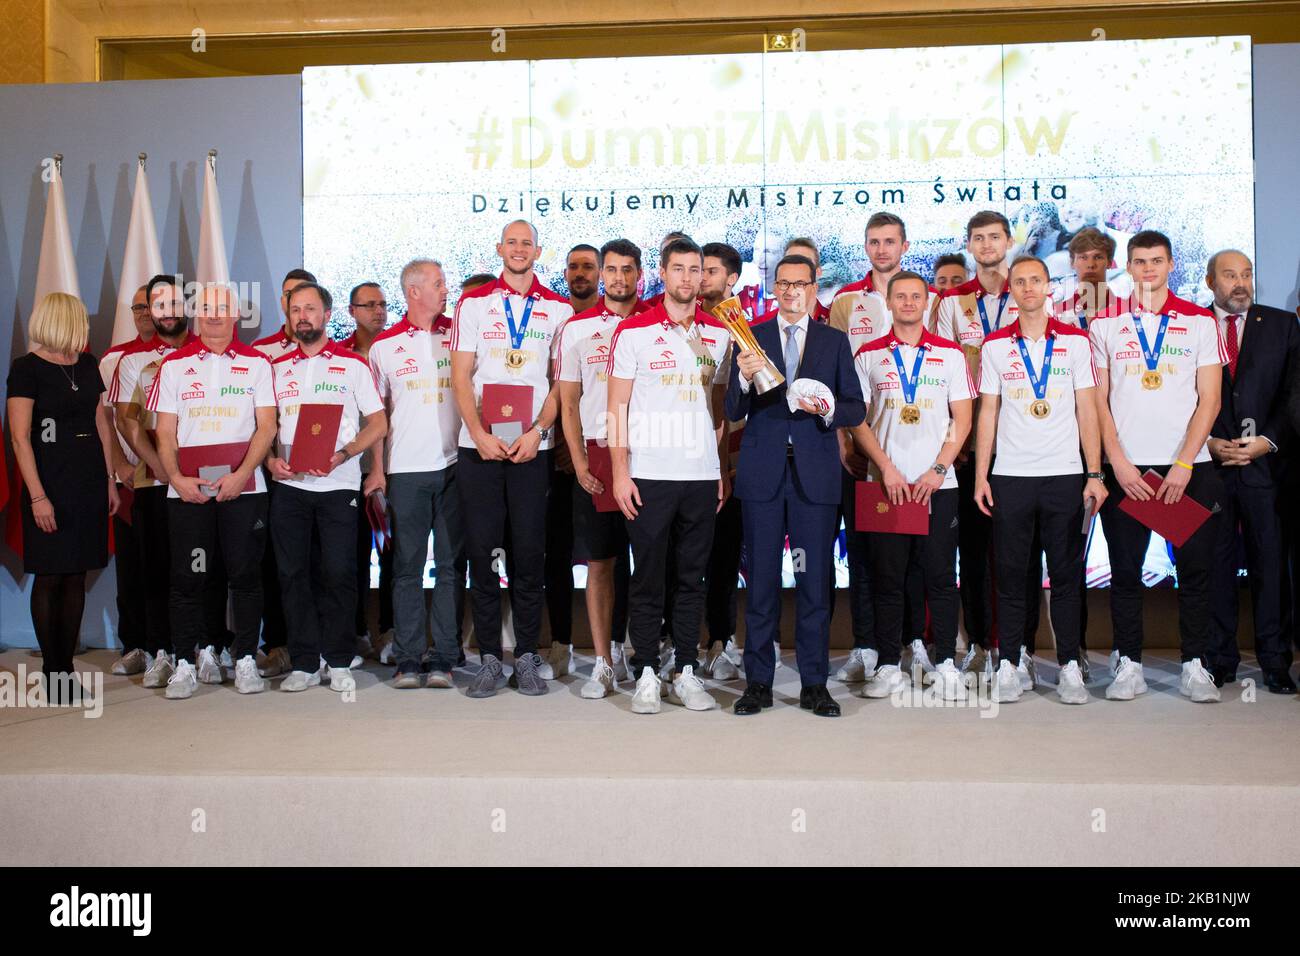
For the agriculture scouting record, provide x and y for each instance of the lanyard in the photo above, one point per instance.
(1152, 355)
(909, 386)
(517, 334)
(984, 316)
(1037, 383)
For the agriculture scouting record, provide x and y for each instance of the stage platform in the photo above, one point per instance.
(433, 777)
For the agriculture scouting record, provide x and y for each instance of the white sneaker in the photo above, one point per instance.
(210, 669)
(720, 666)
(300, 680)
(645, 699)
(1114, 663)
(159, 672)
(887, 680)
(358, 660)
(1069, 685)
(919, 658)
(1084, 667)
(246, 679)
(558, 663)
(182, 682)
(324, 669)
(951, 681)
(388, 653)
(341, 680)
(861, 666)
(688, 690)
(132, 662)
(620, 661)
(975, 659)
(1128, 682)
(667, 662)
(601, 682)
(1026, 670)
(1195, 682)
(1007, 687)
(226, 662)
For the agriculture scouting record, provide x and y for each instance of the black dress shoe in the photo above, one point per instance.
(754, 699)
(1279, 682)
(1223, 675)
(818, 699)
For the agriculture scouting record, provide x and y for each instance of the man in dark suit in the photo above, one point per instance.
(788, 482)
(1251, 442)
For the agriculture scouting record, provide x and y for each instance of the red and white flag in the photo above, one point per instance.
(141, 261)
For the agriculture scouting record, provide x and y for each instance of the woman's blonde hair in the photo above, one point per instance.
(60, 324)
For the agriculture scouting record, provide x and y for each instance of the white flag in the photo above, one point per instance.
(142, 260)
(57, 269)
(212, 265)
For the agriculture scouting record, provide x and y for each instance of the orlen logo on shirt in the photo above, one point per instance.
(410, 368)
(497, 331)
(195, 391)
(600, 357)
(666, 360)
(1017, 371)
(890, 381)
(290, 392)
(860, 329)
(1131, 350)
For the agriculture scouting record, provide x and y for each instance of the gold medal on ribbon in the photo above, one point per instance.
(515, 358)
(910, 415)
(1040, 409)
(1152, 380)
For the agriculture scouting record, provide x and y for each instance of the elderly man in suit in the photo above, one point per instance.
(1251, 443)
(788, 481)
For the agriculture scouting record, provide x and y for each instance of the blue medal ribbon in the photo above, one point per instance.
(1037, 383)
(1151, 355)
(909, 387)
(984, 315)
(517, 334)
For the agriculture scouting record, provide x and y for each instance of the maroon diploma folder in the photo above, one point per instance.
(1175, 523)
(315, 437)
(510, 406)
(196, 459)
(601, 467)
(875, 512)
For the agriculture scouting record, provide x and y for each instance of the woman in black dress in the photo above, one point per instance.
(62, 441)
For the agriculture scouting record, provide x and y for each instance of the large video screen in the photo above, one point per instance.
(414, 160)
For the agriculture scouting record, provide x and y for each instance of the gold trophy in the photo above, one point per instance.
(731, 314)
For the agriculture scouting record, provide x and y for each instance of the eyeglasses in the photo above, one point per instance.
(381, 305)
(782, 285)
(139, 309)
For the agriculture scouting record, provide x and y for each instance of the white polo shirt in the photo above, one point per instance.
(673, 373)
(859, 311)
(1152, 423)
(481, 327)
(333, 376)
(107, 371)
(958, 318)
(1028, 445)
(412, 370)
(275, 345)
(132, 379)
(214, 397)
(582, 351)
(944, 378)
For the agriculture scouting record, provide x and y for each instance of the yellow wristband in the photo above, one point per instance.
(1183, 464)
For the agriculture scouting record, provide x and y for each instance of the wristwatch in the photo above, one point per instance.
(544, 432)
(940, 470)
(1096, 474)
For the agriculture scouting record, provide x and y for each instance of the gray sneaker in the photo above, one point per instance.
(484, 683)
(527, 678)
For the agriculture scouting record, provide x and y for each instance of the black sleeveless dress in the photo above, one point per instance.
(70, 461)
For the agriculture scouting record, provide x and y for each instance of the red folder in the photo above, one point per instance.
(315, 437)
(601, 467)
(1175, 523)
(126, 495)
(874, 511)
(194, 457)
(507, 403)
